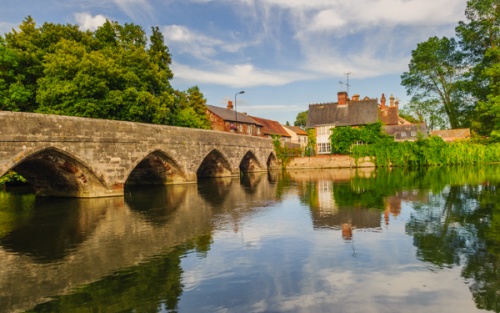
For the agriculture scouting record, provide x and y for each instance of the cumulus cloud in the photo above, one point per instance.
(326, 38)
(88, 22)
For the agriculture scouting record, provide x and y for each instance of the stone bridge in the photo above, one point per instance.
(81, 157)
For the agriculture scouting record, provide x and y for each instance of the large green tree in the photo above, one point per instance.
(110, 73)
(479, 39)
(435, 74)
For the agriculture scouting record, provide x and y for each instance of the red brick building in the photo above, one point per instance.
(229, 120)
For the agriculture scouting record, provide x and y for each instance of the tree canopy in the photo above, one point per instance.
(115, 72)
(460, 78)
(301, 119)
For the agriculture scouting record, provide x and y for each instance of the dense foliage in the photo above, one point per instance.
(11, 177)
(344, 138)
(371, 141)
(457, 83)
(301, 119)
(431, 151)
(284, 154)
(111, 73)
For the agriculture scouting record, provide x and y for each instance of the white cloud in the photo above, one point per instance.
(198, 45)
(136, 9)
(88, 22)
(240, 75)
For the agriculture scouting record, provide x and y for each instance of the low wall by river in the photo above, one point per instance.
(328, 161)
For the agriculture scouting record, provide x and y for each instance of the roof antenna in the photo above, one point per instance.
(347, 81)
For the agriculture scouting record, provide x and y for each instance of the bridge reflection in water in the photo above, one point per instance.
(119, 254)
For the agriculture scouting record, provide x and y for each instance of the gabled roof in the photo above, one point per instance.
(229, 115)
(270, 127)
(296, 129)
(351, 114)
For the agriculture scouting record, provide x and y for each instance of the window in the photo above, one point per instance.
(403, 134)
(413, 133)
(324, 147)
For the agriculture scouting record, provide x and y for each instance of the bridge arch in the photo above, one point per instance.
(156, 168)
(57, 173)
(215, 164)
(250, 163)
(271, 161)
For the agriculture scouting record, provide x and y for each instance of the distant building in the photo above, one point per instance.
(452, 134)
(272, 128)
(299, 135)
(345, 112)
(355, 112)
(228, 120)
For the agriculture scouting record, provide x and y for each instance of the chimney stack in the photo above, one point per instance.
(230, 105)
(342, 98)
(355, 97)
(392, 100)
(382, 102)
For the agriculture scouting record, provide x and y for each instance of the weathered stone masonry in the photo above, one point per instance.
(82, 157)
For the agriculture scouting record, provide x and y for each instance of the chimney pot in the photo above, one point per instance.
(342, 98)
(382, 102)
(230, 105)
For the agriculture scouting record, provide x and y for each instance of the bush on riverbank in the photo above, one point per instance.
(431, 151)
(371, 141)
(11, 177)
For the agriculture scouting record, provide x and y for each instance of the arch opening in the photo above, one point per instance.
(271, 162)
(214, 165)
(249, 163)
(156, 169)
(52, 173)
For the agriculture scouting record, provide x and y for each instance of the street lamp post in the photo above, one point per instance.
(235, 111)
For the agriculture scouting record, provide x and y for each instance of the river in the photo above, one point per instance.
(343, 240)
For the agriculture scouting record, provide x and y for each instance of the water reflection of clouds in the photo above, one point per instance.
(281, 270)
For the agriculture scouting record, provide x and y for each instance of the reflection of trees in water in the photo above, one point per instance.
(156, 203)
(153, 286)
(461, 226)
(55, 227)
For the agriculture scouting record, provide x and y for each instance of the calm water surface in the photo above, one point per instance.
(302, 241)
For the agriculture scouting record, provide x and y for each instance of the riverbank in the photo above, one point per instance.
(328, 161)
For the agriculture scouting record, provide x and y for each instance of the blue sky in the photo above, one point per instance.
(285, 54)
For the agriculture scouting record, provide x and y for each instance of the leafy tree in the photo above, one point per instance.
(479, 39)
(427, 111)
(435, 76)
(301, 119)
(191, 104)
(109, 73)
(13, 93)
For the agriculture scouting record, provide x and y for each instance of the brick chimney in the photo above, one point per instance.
(355, 97)
(342, 98)
(382, 102)
(230, 105)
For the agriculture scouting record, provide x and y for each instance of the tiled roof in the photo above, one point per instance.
(296, 129)
(229, 115)
(452, 134)
(351, 114)
(406, 131)
(271, 127)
